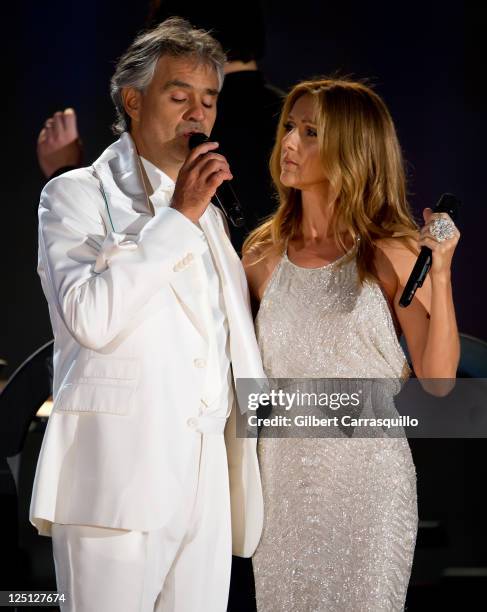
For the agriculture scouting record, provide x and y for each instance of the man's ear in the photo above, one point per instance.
(131, 101)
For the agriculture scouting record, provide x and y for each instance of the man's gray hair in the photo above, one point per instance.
(174, 36)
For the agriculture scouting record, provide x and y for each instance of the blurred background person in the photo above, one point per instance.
(59, 146)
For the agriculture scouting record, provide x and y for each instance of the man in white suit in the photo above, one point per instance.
(142, 481)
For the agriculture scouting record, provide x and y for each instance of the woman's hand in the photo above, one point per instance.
(429, 322)
(442, 250)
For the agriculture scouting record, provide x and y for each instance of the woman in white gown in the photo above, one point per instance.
(326, 273)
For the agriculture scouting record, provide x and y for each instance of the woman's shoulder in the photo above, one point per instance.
(395, 255)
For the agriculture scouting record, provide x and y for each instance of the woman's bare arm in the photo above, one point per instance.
(428, 323)
(258, 273)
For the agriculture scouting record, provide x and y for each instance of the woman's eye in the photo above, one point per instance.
(207, 105)
(288, 127)
(311, 132)
(178, 99)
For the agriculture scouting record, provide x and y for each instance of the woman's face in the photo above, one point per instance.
(301, 166)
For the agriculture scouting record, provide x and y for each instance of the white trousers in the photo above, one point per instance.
(182, 567)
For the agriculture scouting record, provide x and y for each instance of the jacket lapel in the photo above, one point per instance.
(245, 356)
(127, 211)
(119, 177)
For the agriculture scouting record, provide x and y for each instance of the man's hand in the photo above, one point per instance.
(58, 144)
(200, 176)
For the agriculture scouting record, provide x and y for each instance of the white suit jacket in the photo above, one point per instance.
(121, 284)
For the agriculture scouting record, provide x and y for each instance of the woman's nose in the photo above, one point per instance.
(289, 141)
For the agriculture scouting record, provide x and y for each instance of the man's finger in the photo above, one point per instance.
(58, 124)
(201, 150)
(70, 124)
(217, 178)
(203, 163)
(42, 136)
(213, 166)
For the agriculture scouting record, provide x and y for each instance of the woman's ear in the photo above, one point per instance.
(131, 101)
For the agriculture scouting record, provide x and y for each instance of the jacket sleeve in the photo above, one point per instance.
(99, 279)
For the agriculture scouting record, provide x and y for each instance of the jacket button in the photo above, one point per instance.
(199, 363)
(192, 422)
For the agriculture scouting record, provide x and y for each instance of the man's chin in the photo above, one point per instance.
(181, 147)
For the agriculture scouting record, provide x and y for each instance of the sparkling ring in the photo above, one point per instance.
(442, 229)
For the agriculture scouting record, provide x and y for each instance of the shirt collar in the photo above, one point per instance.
(163, 187)
(158, 179)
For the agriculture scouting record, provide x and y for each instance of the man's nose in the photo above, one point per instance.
(195, 113)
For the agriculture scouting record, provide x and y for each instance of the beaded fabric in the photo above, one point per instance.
(340, 514)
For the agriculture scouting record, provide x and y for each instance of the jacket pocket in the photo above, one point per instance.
(106, 386)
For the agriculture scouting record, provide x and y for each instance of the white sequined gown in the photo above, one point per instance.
(340, 513)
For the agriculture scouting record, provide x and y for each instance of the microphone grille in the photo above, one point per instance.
(450, 204)
(197, 139)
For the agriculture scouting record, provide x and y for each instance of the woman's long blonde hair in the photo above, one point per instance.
(362, 160)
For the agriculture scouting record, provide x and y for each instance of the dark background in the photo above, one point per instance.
(426, 59)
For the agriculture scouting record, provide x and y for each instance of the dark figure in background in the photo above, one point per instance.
(248, 106)
(245, 136)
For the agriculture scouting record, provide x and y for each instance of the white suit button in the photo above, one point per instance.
(192, 422)
(199, 363)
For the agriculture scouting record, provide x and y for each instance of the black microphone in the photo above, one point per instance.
(449, 204)
(225, 195)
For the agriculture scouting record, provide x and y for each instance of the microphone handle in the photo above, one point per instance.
(231, 208)
(417, 276)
